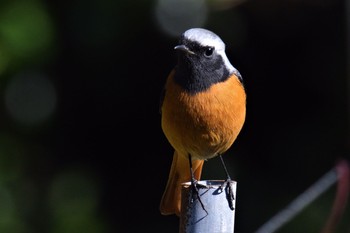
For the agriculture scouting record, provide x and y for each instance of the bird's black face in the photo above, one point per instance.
(199, 66)
(194, 48)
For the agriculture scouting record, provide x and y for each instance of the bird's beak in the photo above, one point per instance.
(184, 48)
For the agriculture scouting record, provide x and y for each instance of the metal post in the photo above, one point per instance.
(217, 216)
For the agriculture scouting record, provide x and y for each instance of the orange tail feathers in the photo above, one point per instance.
(179, 173)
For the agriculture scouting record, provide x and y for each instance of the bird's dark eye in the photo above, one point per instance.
(209, 51)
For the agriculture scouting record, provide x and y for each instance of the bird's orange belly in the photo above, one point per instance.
(203, 124)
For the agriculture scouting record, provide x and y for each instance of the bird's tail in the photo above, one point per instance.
(179, 173)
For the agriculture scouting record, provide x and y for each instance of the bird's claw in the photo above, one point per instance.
(195, 192)
(227, 185)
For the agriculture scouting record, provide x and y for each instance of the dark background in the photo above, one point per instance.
(81, 147)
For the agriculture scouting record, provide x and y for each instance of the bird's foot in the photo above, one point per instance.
(227, 185)
(195, 193)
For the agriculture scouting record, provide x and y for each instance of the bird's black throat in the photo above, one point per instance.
(196, 73)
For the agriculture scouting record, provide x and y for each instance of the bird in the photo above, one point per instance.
(203, 109)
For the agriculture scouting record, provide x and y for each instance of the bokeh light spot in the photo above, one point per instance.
(73, 201)
(73, 191)
(176, 16)
(30, 98)
(26, 29)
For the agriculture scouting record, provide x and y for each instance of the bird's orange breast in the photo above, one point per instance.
(206, 123)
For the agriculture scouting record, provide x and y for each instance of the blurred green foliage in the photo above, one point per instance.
(27, 33)
(74, 203)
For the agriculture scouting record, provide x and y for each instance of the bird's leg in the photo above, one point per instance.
(194, 186)
(228, 188)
